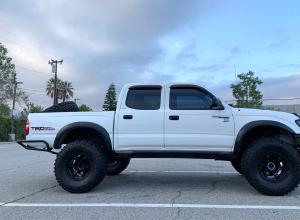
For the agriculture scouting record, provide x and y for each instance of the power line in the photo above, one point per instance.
(34, 93)
(34, 90)
(31, 70)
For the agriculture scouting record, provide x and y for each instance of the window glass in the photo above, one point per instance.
(144, 98)
(189, 99)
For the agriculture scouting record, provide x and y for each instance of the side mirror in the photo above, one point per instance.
(216, 104)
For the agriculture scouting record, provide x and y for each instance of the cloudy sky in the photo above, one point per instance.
(199, 41)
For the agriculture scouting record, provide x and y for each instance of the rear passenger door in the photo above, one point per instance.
(140, 119)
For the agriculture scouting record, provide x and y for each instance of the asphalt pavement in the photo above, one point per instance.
(147, 189)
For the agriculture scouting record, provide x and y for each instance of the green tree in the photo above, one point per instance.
(246, 91)
(4, 110)
(7, 75)
(110, 101)
(50, 86)
(8, 78)
(64, 89)
(31, 108)
(4, 121)
(85, 108)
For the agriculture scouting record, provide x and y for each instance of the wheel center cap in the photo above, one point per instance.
(271, 166)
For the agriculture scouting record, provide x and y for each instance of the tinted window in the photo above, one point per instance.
(189, 99)
(144, 98)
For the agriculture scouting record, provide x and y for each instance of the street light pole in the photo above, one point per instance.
(13, 107)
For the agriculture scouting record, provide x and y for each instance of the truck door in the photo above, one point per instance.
(140, 119)
(191, 124)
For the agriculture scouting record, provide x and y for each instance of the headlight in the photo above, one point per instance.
(298, 122)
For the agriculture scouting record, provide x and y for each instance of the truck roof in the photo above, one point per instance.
(128, 85)
(162, 84)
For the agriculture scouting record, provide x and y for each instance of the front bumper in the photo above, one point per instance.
(37, 145)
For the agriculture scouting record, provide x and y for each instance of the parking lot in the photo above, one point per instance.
(148, 189)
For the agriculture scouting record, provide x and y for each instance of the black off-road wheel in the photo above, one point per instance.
(236, 164)
(80, 166)
(271, 166)
(117, 166)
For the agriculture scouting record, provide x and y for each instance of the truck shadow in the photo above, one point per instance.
(199, 182)
(191, 186)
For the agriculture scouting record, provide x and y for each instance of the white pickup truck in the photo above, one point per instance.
(169, 121)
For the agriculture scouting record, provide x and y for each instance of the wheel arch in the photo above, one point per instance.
(68, 132)
(260, 125)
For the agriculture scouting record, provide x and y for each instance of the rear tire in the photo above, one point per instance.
(236, 164)
(117, 166)
(271, 166)
(80, 166)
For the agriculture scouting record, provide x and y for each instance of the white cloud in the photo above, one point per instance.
(101, 41)
(110, 41)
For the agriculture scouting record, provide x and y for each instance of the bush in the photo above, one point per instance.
(19, 128)
(4, 128)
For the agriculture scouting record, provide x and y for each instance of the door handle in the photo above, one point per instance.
(174, 117)
(225, 118)
(127, 116)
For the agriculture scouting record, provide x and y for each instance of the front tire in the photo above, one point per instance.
(271, 166)
(117, 166)
(80, 166)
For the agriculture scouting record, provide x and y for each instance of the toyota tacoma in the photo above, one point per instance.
(168, 121)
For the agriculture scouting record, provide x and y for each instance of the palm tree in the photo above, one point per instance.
(50, 87)
(65, 90)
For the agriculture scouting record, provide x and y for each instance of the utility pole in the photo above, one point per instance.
(53, 64)
(12, 137)
(75, 100)
(235, 72)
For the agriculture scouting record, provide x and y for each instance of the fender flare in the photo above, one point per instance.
(255, 124)
(64, 131)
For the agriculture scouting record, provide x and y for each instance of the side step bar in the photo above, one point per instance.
(44, 146)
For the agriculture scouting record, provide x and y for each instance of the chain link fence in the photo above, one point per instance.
(291, 105)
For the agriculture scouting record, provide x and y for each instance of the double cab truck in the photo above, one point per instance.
(169, 121)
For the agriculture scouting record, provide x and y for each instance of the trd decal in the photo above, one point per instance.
(42, 128)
